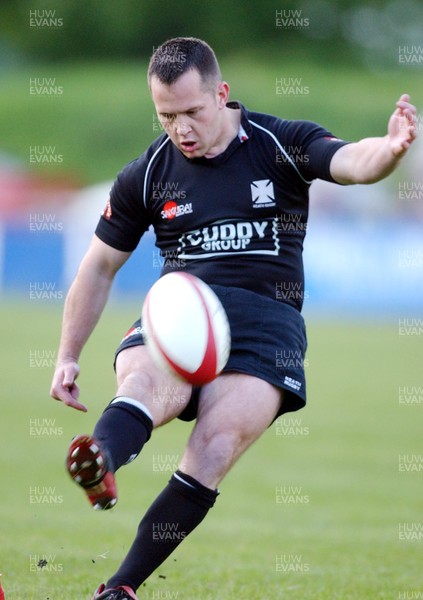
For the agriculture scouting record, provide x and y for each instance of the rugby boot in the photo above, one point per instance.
(87, 465)
(120, 593)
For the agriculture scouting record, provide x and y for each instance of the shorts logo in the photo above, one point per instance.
(133, 331)
(171, 210)
(262, 193)
(292, 383)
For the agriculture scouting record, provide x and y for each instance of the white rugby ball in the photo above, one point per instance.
(185, 328)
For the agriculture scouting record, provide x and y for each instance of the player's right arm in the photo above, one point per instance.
(84, 304)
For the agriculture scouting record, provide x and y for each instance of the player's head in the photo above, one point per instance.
(179, 55)
(190, 96)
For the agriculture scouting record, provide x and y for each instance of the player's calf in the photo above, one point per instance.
(119, 435)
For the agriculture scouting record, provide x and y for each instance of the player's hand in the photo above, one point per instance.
(402, 129)
(64, 388)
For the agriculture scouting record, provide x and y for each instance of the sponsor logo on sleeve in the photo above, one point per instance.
(107, 212)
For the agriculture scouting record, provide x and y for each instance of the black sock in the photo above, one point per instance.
(172, 516)
(122, 431)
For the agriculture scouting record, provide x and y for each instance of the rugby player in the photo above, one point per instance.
(237, 219)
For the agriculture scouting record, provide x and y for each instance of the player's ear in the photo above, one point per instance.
(222, 94)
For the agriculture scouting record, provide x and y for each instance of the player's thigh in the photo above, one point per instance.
(236, 401)
(139, 378)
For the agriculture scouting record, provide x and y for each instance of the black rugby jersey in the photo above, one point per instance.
(237, 219)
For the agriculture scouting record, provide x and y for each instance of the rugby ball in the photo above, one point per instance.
(185, 328)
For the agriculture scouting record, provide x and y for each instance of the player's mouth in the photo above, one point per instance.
(188, 146)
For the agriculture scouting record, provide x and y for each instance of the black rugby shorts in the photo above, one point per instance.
(268, 341)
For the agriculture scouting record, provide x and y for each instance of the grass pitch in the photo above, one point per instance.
(327, 505)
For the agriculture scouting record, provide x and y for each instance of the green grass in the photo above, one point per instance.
(104, 117)
(344, 457)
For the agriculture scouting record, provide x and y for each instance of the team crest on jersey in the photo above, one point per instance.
(171, 209)
(262, 193)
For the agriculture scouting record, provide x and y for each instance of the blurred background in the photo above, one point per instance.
(75, 108)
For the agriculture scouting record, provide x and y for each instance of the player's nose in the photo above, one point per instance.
(182, 128)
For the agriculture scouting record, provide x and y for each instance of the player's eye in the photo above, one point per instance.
(168, 116)
(193, 113)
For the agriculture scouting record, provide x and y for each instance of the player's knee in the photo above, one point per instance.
(133, 367)
(136, 379)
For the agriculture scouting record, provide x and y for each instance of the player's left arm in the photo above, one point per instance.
(372, 159)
